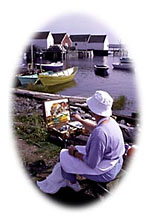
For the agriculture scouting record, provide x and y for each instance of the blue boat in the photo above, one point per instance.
(27, 79)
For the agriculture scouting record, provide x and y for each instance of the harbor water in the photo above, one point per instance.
(86, 82)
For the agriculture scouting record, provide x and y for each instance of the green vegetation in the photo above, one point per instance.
(119, 103)
(32, 129)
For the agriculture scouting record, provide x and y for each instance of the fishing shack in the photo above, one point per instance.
(54, 54)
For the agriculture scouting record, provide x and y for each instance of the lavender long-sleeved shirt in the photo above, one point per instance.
(104, 146)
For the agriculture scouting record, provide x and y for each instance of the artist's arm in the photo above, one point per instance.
(74, 152)
(88, 124)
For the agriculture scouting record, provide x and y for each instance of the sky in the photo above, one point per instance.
(80, 24)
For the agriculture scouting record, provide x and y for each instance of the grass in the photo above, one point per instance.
(32, 126)
(119, 103)
(32, 129)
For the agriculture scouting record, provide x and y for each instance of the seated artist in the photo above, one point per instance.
(101, 158)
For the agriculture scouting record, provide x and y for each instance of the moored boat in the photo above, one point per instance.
(101, 70)
(50, 66)
(123, 66)
(125, 60)
(58, 77)
(27, 79)
(125, 63)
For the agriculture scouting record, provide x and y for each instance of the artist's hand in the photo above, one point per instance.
(71, 149)
(77, 155)
(77, 117)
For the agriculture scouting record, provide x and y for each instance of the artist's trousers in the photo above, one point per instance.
(106, 177)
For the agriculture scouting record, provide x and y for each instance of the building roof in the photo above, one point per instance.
(41, 35)
(58, 37)
(97, 38)
(79, 38)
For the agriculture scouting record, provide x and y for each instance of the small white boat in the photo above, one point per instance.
(50, 66)
(123, 66)
(125, 63)
(125, 60)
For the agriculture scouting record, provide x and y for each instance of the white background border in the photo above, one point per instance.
(19, 19)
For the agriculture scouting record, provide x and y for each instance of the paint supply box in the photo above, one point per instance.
(58, 119)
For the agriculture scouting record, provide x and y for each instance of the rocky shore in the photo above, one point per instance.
(23, 105)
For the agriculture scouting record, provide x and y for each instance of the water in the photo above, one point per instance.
(86, 82)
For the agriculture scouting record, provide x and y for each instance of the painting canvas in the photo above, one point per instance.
(57, 111)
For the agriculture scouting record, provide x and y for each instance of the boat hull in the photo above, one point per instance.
(51, 66)
(125, 60)
(122, 66)
(101, 70)
(59, 77)
(27, 79)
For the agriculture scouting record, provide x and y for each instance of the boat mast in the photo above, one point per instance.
(32, 57)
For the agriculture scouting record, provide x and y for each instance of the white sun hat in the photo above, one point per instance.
(100, 103)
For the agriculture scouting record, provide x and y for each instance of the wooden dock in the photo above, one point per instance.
(80, 54)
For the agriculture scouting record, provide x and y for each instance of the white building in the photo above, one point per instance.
(98, 43)
(80, 42)
(43, 40)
